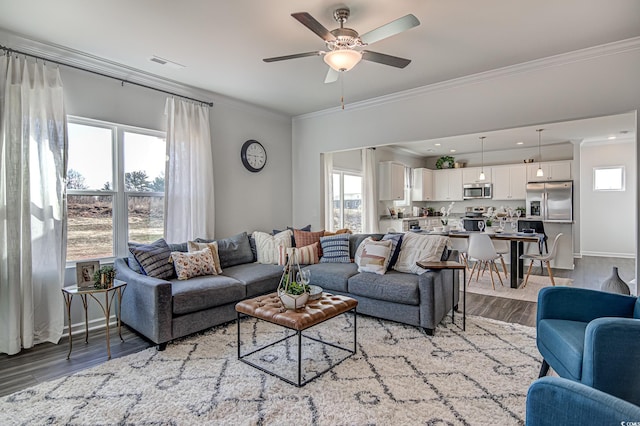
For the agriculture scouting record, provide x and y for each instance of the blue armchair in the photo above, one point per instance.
(553, 401)
(591, 337)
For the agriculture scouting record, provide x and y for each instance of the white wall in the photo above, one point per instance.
(608, 217)
(591, 83)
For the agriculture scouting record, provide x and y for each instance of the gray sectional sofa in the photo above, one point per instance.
(166, 309)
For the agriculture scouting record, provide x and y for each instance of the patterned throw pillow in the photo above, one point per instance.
(373, 256)
(293, 240)
(304, 238)
(415, 247)
(194, 246)
(193, 264)
(267, 246)
(307, 255)
(335, 249)
(154, 259)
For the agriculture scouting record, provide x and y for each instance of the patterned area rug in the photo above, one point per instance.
(528, 293)
(398, 376)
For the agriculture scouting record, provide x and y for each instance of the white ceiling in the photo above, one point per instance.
(222, 42)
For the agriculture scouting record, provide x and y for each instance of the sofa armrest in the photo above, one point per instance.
(146, 303)
(437, 296)
(611, 360)
(579, 304)
(553, 401)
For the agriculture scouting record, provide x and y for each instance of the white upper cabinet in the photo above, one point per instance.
(391, 181)
(472, 175)
(447, 185)
(422, 185)
(510, 182)
(552, 170)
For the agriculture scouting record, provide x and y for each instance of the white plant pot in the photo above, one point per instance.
(293, 302)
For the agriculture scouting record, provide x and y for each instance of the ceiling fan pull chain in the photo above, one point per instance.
(342, 89)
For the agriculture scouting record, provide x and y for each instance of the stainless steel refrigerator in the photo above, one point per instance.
(550, 201)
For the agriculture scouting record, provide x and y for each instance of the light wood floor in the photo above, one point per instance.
(48, 361)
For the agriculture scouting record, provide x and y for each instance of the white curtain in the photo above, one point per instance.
(189, 203)
(327, 162)
(32, 190)
(370, 193)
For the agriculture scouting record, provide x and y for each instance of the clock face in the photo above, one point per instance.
(253, 155)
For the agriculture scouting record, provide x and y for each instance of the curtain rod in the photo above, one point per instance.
(10, 50)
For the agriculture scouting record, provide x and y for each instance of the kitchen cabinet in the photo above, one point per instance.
(391, 225)
(472, 175)
(391, 180)
(552, 170)
(447, 185)
(422, 185)
(510, 182)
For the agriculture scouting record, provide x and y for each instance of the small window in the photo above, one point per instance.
(608, 178)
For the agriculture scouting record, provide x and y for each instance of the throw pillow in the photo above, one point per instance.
(267, 246)
(306, 238)
(307, 255)
(293, 240)
(415, 247)
(193, 246)
(154, 259)
(396, 243)
(339, 231)
(193, 264)
(233, 251)
(374, 256)
(335, 249)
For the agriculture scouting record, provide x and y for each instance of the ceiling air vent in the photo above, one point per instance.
(162, 61)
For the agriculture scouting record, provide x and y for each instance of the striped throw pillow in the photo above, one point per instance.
(335, 249)
(154, 259)
(307, 255)
(304, 238)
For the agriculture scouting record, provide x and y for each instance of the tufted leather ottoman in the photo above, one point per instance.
(269, 308)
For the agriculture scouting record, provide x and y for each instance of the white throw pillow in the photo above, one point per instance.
(267, 245)
(373, 256)
(193, 264)
(213, 246)
(415, 247)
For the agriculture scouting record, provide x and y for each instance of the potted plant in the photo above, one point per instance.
(292, 294)
(103, 277)
(445, 162)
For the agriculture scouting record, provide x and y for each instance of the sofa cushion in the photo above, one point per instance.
(258, 278)
(205, 292)
(233, 251)
(373, 256)
(566, 337)
(393, 286)
(414, 248)
(332, 276)
(267, 245)
(335, 249)
(193, 246)
(193, 264)
(154, 259)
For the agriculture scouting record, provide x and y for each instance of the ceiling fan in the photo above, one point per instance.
(343, 43)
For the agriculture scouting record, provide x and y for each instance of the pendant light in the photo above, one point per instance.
(539, 173)
(482, 176)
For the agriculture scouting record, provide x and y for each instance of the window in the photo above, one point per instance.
(347, 201)
(115, 188)
(608, 178)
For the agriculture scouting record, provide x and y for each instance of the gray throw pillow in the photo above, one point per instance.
(232, 251)
(154, 259)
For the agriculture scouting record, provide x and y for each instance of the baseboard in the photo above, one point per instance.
(609, 254)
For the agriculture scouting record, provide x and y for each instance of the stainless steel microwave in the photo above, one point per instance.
(472, 191)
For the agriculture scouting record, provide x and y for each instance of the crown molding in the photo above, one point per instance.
(125, 73)
(586, 54)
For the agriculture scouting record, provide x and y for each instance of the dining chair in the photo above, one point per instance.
(462, 245)
(543, 258)
(502, 248)
(482, 251)
(538, 227)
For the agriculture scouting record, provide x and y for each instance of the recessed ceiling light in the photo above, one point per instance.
(519, 143)
(437, 144)
(611, 138)
(452, 150)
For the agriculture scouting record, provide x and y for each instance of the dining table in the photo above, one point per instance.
(516, 239)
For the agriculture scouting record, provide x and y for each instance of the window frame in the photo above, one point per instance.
(119, 193)
(342, 173)
(622, 187)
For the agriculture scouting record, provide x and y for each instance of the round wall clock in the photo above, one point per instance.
(253, 155)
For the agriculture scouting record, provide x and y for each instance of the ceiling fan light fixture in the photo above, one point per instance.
(342, 60)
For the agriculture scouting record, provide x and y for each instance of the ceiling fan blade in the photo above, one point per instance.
(381, 58)
(332, 76)
(392, 28)
(310, 22)
(294, 56)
